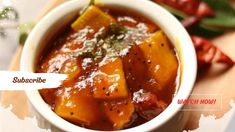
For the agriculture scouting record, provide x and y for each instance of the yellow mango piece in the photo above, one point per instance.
(75, 106)
(71, 68)
(94, 18)
(119, 112)
(110, 83)
(161, 60)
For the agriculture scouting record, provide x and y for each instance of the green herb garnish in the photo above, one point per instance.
(117, 29)
(107, 43)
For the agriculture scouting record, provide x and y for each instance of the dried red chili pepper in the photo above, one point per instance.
(207, 53)
(190, 21)
(204, 10)
(196, 8)
(188, 6)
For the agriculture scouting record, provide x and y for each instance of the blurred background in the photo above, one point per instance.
(15, 14)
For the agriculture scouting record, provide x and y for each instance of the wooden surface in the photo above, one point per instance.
(216, 80)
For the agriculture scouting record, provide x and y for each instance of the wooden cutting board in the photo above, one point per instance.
(216, 80)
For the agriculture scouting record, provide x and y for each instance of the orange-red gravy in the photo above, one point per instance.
(140, 83)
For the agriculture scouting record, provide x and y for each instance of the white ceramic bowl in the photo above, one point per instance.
(63, 14)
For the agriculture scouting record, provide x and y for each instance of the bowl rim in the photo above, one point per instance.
(167, 22)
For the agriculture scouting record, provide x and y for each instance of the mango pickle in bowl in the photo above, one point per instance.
(127, 64)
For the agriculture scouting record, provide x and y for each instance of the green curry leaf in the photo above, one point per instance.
(205, 31)
(224, 14)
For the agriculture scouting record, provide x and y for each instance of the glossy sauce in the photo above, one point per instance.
(105, 106)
